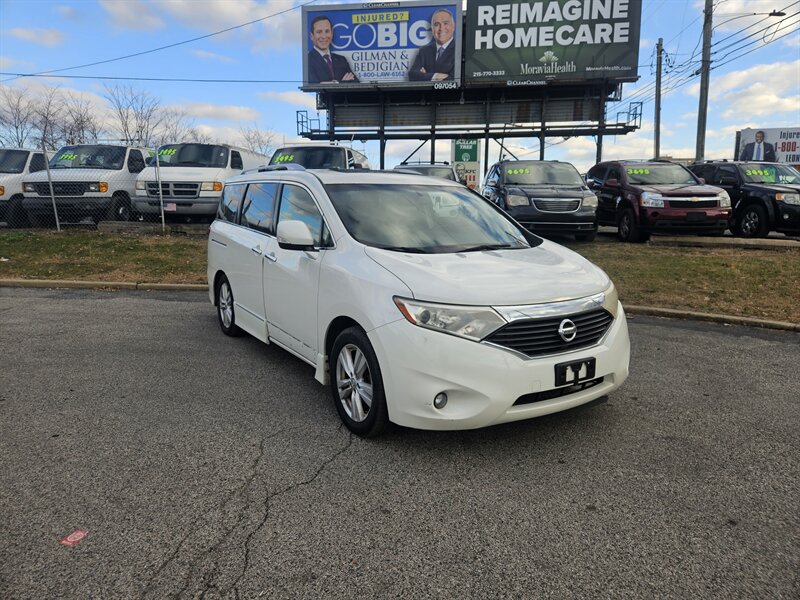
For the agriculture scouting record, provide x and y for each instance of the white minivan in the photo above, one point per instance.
(414, 298)
(192, 177)
(95, 181)
(15, 164)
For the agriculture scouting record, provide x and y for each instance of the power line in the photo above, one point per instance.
(162, 79)
(195, 39)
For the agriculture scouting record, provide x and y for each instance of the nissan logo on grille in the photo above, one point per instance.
(567, 330)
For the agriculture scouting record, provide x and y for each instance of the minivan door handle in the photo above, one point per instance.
(256, 250)
(271, 256)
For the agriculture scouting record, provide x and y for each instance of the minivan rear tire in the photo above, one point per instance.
(226, 314)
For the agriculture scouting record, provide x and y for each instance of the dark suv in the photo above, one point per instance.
(765, 196)
(641, 198)
(543, 196)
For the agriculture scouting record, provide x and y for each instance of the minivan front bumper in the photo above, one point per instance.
(485, 385)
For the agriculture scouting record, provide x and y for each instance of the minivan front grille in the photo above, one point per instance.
(539, 337)
(557, 205)
(173, 189)
(680, 203)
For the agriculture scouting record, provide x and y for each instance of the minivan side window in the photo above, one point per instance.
(259, 207)
(230, 201)
(135, 162)
(298, 205)
(236, 160)
(614, 173)
(37, 163)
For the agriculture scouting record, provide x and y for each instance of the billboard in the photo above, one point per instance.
(780, 144)
(517, 42)
(465, 155)
(406, 44)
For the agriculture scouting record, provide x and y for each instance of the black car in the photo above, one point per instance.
(544, 196)
(765, 196)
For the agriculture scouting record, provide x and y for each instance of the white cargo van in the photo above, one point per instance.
(89, 180)
(15, 164)
(192, 178)
(320, 156)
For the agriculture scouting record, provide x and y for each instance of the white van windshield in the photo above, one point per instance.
(423, 218)
(311, 157)
(89, 157)
(192, 155)
(13, 161)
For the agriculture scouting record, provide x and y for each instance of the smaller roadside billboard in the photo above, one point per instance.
(774, 144)
(377, 44)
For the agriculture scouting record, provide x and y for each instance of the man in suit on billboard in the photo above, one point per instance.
(323, 65)
(758, 150)
(437, 60)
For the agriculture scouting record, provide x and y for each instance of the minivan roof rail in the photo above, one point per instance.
(281, 167)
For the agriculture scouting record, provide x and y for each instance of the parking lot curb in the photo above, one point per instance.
(714, 318)
(723, 242)
(202, 287)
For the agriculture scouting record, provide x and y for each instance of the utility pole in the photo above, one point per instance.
(659, 54)
(705, 65)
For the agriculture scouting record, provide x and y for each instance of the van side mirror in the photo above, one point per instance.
(490, 182)
(236, 161)
(612, 183)
(357, 166)
(294, 235)
(702, 180)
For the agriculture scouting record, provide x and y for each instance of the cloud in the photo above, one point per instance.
(42, 37)
(792, 41)
(277, 31)
(220, 112)
(293, 98)
(204, 54)
(764, 89)
(68, 12)
(132, 14)
(6, 63)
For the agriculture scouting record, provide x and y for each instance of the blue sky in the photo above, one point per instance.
(758, 89)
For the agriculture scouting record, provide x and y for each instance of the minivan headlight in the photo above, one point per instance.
(211, 186)
(788, 198)
(140, 185)
(652, 200)
(28, 187)
(589, 201)
(517, 200)
(471, 322)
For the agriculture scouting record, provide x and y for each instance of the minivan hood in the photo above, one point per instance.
(79, 175)
(183, 174)
(546, 273)
(550, 191)
(680, 190)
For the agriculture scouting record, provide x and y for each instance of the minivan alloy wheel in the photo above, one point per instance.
(354, 382)
(225, 304)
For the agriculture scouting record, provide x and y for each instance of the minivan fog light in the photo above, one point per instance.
(440, 401)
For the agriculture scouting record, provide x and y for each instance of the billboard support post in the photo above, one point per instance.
(544, 126)
(602, 124)
(433, 129)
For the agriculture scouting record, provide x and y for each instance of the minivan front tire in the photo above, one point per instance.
(356, 383)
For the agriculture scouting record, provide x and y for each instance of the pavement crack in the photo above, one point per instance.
(234, 493)
(267, 506)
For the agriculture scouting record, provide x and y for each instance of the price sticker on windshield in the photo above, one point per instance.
(67, 156)
(285, 158)
(167, 151)
(525, 171)
(638, 171)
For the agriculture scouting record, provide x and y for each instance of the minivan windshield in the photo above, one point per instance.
(311, 157)
(89, 157)
(13, 161)
(665, 174)
(531, 172)
(422, 218)
(769, 173)
(192, 155)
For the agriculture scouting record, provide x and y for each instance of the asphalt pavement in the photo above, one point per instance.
(205, 466)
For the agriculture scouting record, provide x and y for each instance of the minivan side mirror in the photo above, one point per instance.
(612, 183)
(702, 180)
(490, 182)
(294, 235)
(728, 180)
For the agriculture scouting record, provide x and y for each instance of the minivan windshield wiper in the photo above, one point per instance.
(410, 249)
(488, 247)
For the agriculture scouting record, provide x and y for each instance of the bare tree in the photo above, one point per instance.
(175, 127)
(17, 118)
(258, 140)
(79, 122)
(138, 114)
(48, 111)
